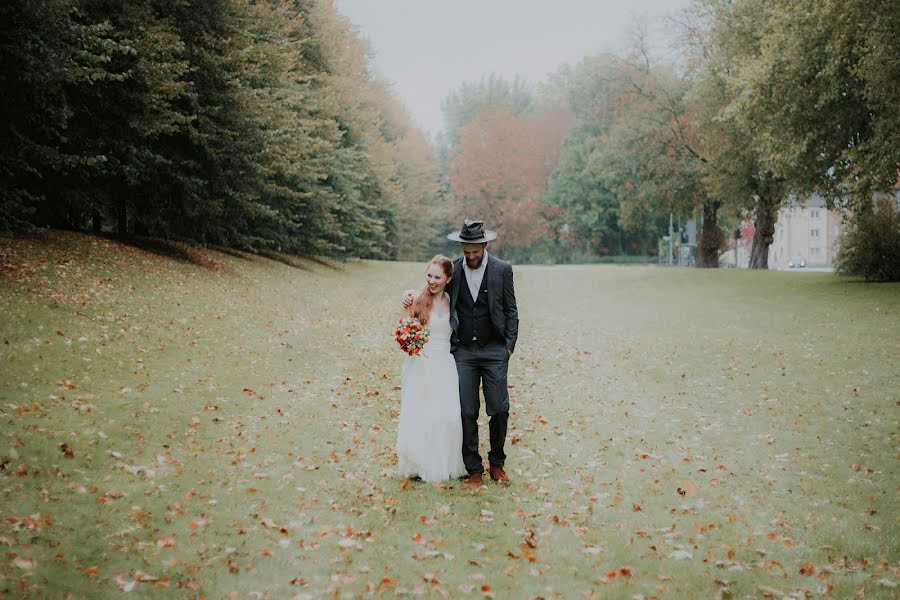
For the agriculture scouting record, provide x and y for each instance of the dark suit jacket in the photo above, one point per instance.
(501, 298)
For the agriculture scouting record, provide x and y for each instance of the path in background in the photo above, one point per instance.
(226, 428)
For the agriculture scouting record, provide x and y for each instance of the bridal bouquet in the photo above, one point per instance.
(411, 335)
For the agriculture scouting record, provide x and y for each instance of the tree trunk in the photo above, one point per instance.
(122, 221)
(96, 220)
(139, 227)
(711, 237)
(764, 221)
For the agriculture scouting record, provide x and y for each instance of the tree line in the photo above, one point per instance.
(766, 103)
(243, 124)
(259, 125)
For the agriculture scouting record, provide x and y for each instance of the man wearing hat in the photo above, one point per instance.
(485, 324)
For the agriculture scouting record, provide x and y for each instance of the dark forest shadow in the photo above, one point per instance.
(331, 264)
(299, 261)
(242, 254)
(287, 259)
(181, 251)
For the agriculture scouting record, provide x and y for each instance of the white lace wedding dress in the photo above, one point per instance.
(429, 433)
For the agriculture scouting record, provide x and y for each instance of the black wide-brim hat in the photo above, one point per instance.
(473, 232)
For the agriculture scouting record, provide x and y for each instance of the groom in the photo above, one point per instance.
(485, 324)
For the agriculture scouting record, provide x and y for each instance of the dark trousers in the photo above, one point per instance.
(486, 368)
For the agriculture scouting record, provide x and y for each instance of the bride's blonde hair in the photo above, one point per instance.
(421, 306)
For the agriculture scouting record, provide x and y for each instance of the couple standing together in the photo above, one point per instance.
(469, 306)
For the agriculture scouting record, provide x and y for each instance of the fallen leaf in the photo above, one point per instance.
(126, 585)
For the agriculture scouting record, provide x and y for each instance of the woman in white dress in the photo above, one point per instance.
(429, 432)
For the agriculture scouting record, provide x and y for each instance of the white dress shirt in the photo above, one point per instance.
(474, 277)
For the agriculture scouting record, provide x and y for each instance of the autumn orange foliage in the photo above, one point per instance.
(500, 167)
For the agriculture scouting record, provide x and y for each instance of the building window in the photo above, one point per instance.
(814, 213)
(814, 233)
(815, 252)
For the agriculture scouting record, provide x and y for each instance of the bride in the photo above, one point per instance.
(429, 433)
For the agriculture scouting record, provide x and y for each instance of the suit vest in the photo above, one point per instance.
(475, 327)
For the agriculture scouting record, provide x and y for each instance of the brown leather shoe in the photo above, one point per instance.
(499, 475)
(474, 480)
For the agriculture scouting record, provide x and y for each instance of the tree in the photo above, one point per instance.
(35, 50)
(407, 171)
(130, 98)
(499, 172)
(627, 164)
(870, 247)
(795, 98)
(464, 104)
(589, 209)
(254, 125)
(652, 159)
(821, 95)
(713, 154)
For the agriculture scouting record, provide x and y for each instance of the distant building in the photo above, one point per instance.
(744, 245)
(807, 231)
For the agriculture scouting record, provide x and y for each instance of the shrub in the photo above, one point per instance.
(870, 246)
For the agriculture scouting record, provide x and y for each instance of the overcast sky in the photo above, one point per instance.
(428, 48)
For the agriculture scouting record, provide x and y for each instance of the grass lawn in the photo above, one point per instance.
(223, 427)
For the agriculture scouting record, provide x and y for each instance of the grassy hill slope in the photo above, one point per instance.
(184, 423)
